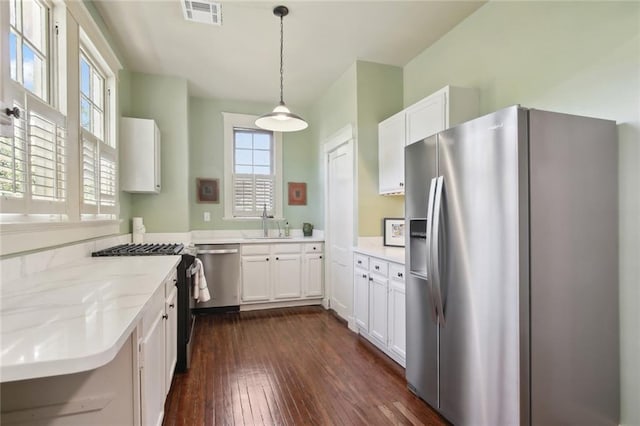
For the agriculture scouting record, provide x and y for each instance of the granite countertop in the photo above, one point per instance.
(77, 316)
(372, 246)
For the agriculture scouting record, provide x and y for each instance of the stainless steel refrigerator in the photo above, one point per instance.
(512, 261)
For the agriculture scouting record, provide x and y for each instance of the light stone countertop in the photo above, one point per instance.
(372, 246)
(75, 317)
(235, 240)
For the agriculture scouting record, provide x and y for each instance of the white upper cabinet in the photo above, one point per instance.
(391, 139)
(140, 159)
(439, 111)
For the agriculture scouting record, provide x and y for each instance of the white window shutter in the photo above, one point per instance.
(251, 193)
(89, 173)
(108, 179)
(13, 166)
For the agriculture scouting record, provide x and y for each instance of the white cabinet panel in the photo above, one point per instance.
(397, 318)
(426, 117)
(378, 288)
(152, 377)
(140, 155)
(391, 142)
(256, 278)
(287, 276)
(171, 334)
(361, 293)
(312, 279)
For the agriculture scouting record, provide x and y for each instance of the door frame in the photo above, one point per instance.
(345, 135)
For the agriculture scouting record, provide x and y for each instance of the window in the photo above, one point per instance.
(29, 45)
(33, 162)
(99, 165)
(253, 168)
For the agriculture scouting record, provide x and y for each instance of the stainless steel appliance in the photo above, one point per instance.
(186, 318)
(222, 271)
(512, 283)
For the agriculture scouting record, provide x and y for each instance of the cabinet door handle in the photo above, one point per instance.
(267, 259)
(400, 274)
(401, 183)
(15, 111)
(173, 305)
(377, 267)
(165, 316)
(277, 258)
(370, 279)
(364, 275)
(359, 262)
(320, 257)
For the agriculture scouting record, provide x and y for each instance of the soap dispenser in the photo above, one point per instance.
(286, 229)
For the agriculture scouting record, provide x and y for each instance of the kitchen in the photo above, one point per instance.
(568, 57)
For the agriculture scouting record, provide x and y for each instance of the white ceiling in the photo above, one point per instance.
(240, 59)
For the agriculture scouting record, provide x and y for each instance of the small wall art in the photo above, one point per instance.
(208, 190)
(297, 194)
(393, 232)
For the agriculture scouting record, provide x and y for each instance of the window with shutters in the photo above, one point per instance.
(253, 169)
(99, 158)
(33, 159)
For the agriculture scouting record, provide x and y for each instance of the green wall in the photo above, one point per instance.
(379, 95)
(580, 58)
(124, 105)
(206, 149)
(164, 99)
(364, 95)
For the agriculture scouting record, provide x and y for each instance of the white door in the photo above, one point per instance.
(340, 227)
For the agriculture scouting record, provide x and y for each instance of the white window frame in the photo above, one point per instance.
(105, 148)
(246, 121)
(26, 207)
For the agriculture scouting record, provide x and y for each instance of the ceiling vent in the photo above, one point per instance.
(203, 11)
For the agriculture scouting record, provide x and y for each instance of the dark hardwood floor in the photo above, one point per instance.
(293, 366)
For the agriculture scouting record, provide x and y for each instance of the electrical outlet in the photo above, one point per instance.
(207, 216)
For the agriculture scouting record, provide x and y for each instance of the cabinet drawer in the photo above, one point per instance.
(379, 267)
(255, 249)
(313, 247)
(396, 271)
(170, 282)
(361, 261)
(286, 248)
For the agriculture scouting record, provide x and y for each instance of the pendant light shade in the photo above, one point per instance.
(281, 119)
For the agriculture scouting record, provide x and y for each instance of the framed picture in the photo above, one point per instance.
(208, 190)
(297, 194)
(393, 232)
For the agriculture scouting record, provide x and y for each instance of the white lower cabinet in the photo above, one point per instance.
(379, 304)
(171, 334)
(281, 272)
(157, 351)
(152, 377)
(397, 312)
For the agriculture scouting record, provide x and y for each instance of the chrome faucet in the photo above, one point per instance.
(265, 229)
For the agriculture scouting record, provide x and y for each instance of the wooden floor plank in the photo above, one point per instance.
(293, 366)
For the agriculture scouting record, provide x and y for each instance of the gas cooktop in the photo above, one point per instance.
(141, 250)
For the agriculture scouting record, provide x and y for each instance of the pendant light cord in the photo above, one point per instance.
(281, 59)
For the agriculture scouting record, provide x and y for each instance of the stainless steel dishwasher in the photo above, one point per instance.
(222, 270)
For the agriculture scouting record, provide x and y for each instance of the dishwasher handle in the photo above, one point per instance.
(219, 251)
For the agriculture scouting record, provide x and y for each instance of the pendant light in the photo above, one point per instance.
(281, 119)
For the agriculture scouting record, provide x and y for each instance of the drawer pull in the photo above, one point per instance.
(320, 257)
(267, 259)
(277, 258)
(165, 316)
(377, 268)
(370, 279)
(400, 274)
(364, 275)
(173, 305)
(359, 262)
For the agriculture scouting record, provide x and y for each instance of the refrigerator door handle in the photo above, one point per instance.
(431, 198)
(435, 251)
